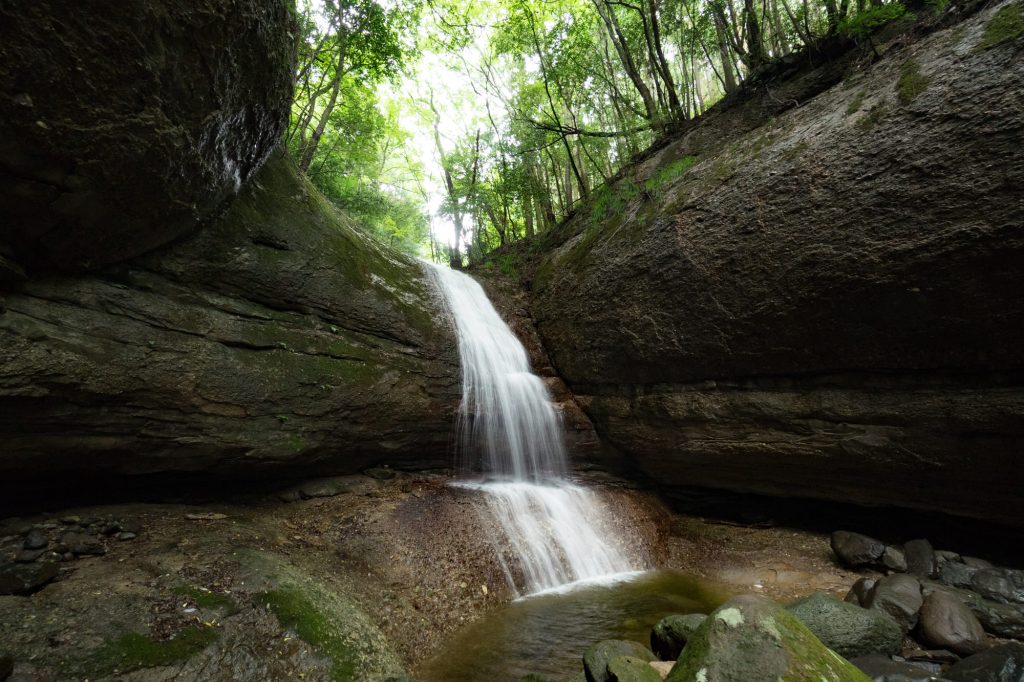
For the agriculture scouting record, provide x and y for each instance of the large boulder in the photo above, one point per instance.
(671, 633)
(848, 630)
(854, 549)
(811, 292)
(278, 341)
(899, 596)
(751, 638)
(1002, 620)
(945, 622)
(598, 655)
(1004, 663)
(124, 125)
(26, 578)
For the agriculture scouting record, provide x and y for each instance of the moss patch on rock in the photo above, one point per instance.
(327, 618)
(135, 650)
(1006, 25)
(296, 611)
(911, 82)
(751, 637)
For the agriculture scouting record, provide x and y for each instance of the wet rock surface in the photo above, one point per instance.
(765, 322)
(384, 571)
(671, 633)
(127, 126)
(598, 658)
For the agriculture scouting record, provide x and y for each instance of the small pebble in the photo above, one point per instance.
(126, 536)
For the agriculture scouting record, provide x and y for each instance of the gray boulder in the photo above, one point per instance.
(599, 655)
(920, 558)
(956, 574)
(999, 584)
(753, 638)
(26, 578)
(671, 633)
(945, 622)
(899, 596)
(631, 669)
(1001, 620)
(884, 668)
(1004, 663)
(83, 543)
(854, 549)
(975, 562)
(858, 593)
(848, 629)
(894, 559)
(35, 539)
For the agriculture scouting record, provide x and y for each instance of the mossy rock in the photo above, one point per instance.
(631, 669)
(751, 638)
(846, 628)
(599, 655)
(671, 633)
(327, 619)
(1005, 26)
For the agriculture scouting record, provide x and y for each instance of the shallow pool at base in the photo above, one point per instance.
(548, 633)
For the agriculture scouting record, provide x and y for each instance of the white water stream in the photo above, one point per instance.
(559, 532)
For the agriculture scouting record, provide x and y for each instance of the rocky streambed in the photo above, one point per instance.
(357, 577)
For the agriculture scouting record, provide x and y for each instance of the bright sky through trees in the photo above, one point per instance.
(451, 128)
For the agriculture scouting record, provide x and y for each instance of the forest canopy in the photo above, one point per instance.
(448, 128)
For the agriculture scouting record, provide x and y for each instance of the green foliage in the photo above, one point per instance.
(670, 172)
(865, 23)
(295, 611)
(343, 137)
(1006, 25)
(911, 82)
(612, 200)
(134, 650)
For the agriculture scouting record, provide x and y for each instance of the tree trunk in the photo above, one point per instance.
(723, 52)
(622, 48)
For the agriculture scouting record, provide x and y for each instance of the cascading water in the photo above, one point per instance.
(558, 531)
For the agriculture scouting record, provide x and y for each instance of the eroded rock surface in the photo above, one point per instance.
(278, 337)
(812, 292)
(126, 125)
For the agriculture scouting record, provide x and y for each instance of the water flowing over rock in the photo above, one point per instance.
(559, 532)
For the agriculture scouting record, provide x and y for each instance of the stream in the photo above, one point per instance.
(547, 633)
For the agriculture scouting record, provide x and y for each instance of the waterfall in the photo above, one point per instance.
(559, 532)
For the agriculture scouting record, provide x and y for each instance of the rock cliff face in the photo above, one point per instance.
(814, 291)
(277, 336)
(124, 125)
